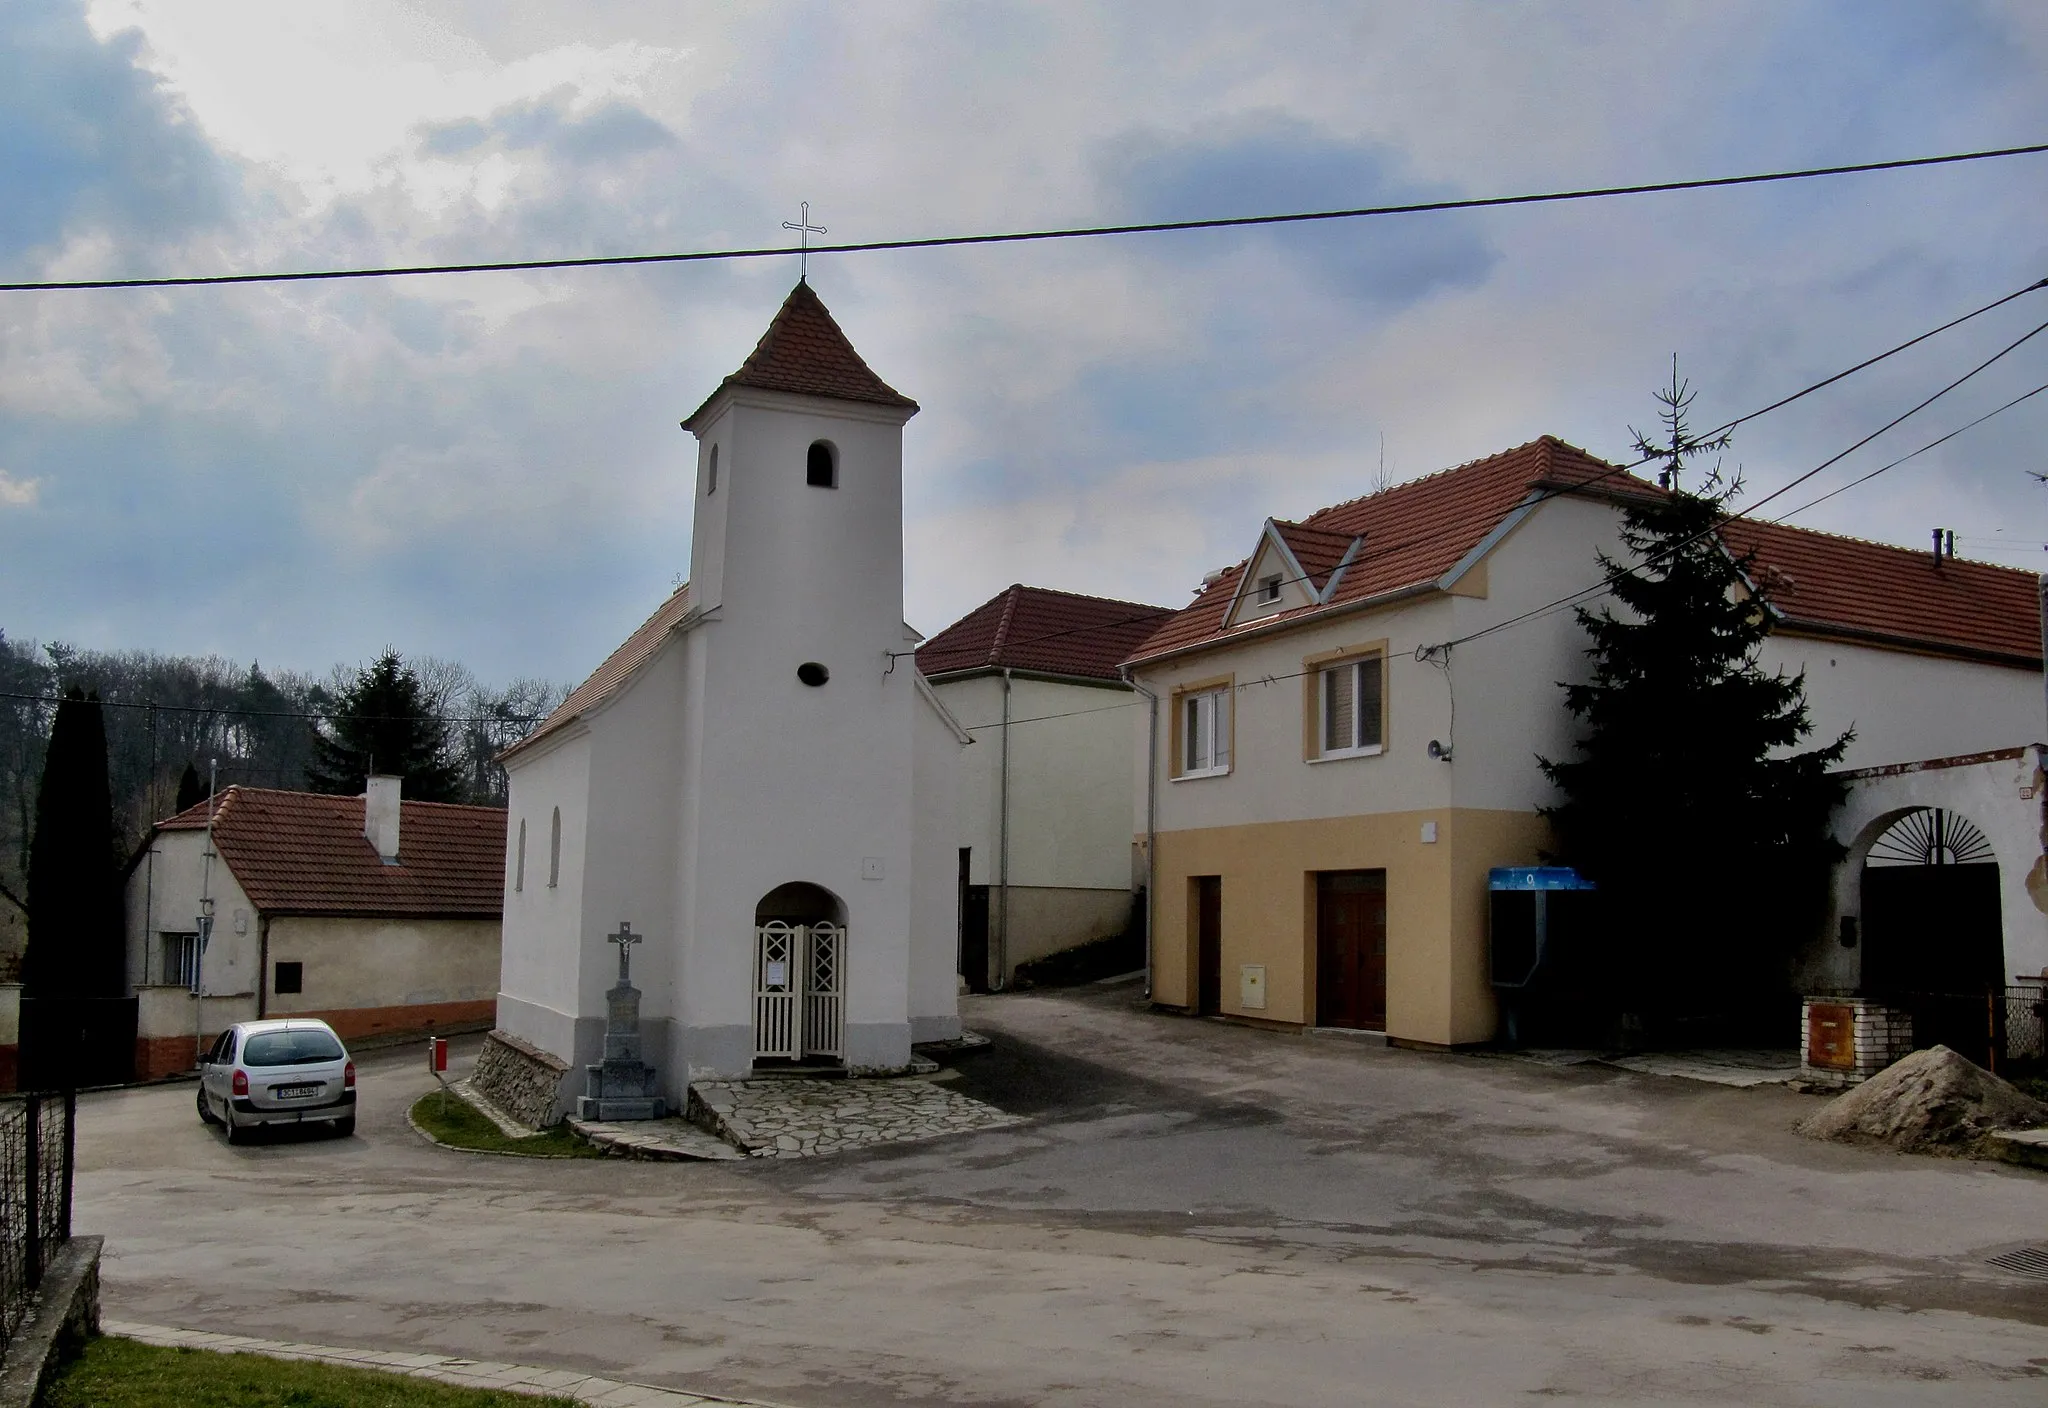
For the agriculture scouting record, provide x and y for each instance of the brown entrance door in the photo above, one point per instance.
(1208, 905)
(1351, 949)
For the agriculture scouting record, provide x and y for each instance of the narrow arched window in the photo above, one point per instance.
(555, 850)
(821, 466)
(713, 476)
(519, 859)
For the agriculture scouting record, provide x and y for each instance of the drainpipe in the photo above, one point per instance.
(1151, 819)
(263, 967)
(1001, 977)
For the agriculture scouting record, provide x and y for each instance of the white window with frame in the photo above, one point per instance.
(1205, 733)
(180, 963)
(1269, 589)
(1351, 707)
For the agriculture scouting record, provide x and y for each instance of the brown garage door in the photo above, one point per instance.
(1351, 949)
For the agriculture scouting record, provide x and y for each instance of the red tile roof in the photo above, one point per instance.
(613, 672)
(1318, 550)
(804, 352)
(1855, 589)
(1416, 532)
(304, 853)
(1036, 628)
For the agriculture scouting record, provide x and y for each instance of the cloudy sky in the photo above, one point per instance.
(488, 467)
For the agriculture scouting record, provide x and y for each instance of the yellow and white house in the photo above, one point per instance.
(1330, 783)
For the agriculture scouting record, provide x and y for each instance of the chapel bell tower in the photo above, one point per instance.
(798, 709)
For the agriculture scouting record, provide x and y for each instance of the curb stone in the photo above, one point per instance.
(449, 1369)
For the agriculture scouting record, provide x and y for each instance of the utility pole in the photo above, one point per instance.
(205, 916)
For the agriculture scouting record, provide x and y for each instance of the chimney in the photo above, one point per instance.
(381, 815)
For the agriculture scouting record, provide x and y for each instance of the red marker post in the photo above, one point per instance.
(437, 1066)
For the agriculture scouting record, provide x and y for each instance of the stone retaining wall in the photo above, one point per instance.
(519, 1078)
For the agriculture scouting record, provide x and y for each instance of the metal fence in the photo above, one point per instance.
(2005, 1030)
(38, 1142)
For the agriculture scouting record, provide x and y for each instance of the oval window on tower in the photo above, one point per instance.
(821, 466)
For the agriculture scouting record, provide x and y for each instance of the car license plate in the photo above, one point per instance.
(294, 1092)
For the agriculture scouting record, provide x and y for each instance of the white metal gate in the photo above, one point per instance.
(799, 990)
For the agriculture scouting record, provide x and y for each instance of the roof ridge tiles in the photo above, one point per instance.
(1858, 540)
(1543, 442)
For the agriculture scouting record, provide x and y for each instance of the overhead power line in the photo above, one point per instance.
(1600, 588)
(1032, 236)
(1544, 496)
(1969, 425)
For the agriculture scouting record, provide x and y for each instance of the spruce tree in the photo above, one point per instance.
(191, 790)
(76, 947)
(384, 723)
(1685, 801)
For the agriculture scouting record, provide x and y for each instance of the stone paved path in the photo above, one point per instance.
(794, 1119)
(441, 1368)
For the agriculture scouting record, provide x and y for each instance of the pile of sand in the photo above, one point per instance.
(1933, 1100)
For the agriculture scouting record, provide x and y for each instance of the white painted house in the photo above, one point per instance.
(1044, 811)
(375, 914)
(759, 781)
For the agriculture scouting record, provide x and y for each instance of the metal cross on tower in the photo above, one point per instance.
(805, 229)
(625, 939)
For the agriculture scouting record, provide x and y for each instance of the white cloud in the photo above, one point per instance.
(464, 457)
(18, 493)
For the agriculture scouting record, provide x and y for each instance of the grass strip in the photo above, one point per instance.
(113, 1372)
(461, 1125)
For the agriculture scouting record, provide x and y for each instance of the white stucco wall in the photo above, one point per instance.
(538, 982)
(1070, 766)
(1509, 707)
(163, 895)
(784, 782)
(1909, 708)
(935, 913)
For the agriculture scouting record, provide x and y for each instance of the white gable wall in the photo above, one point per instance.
(538, 986)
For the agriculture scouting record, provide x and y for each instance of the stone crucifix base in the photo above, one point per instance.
(621, 1087)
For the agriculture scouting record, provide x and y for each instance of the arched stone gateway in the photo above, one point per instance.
(1933, 938)
(799, 975)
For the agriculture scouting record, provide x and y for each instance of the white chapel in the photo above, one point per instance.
(758, 781)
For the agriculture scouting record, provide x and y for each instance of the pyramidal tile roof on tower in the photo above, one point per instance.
(804, 353)
(1047, 631)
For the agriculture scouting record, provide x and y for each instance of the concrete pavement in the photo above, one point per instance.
(1190, 1213)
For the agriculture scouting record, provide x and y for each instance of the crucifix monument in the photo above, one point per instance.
(621, 1086)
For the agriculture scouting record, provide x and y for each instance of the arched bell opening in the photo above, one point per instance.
(1933, 935)
(799, 976)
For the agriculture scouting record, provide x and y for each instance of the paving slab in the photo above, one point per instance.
(795, 1119)
(656, 1139)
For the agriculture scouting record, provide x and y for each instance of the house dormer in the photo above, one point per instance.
(1294, 566)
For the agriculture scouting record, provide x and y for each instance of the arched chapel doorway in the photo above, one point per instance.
(1933, 936)
(799, 975)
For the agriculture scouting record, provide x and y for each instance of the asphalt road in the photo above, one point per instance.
(1194, 1214)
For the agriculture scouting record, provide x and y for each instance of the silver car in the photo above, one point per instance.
(286, 1070)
